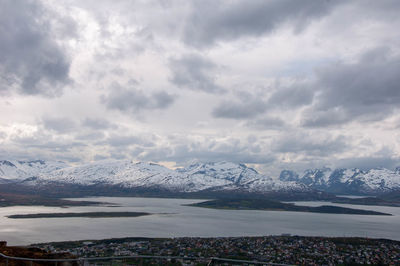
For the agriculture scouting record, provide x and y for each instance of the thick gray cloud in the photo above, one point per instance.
(266, 123)
(194, 72)
(31, 60)
(98, 123)
(248, 106)
(274, 82)
(366, 163)
(43, 142)
(212, 21)
(56, 146)
(367, 90)
(379, 10)
(310, 145)
(134, 100)
(364, 91)
(291, 97)
(92, 136)
(184, 152)
(240, 110)
(59, 124)
(244, 106)
(127, 140)
(33, 153)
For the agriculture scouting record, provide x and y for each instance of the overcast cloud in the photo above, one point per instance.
(367, 89)
(194, 72)
(134, 100)
(211, 21)
(31, 60)
(273, 83)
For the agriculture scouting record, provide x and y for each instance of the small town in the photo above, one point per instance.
(285, 249)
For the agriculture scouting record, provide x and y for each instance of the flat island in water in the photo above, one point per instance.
(270, 205)
(79, 214)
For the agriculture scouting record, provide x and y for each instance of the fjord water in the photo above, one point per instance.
(172, 219)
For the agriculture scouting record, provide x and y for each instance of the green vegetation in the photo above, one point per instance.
(79, 214)
(270, 205)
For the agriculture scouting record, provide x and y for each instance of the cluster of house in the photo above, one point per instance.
(274, 249)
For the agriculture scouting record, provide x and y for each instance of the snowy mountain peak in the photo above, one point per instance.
(288, 175)
(30, 163)
(231, 172)
(318, 171)
(344, 180)
(7, 163)
(397, 170)
(217, 166)
(316, 176)
(19, 170)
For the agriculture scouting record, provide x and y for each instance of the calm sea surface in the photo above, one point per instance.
(171, 219)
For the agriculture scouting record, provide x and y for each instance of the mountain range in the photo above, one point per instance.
(347, 181)
(220, 177)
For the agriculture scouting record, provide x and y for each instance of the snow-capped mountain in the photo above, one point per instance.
(216, 176)
(196, 177)
(353, 181)
(230, 176)
(123, 173)
(11, 171)
(220, 176)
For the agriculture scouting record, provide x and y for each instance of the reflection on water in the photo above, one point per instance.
(191, 221)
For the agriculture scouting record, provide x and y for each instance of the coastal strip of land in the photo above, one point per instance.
(388, 200)
(12, 199)
(79, 214)
(270, 205)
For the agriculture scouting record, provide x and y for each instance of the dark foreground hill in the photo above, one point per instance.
(30, 252)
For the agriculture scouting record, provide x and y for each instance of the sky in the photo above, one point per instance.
(274, 84)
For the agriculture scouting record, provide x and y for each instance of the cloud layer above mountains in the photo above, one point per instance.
(277, 84)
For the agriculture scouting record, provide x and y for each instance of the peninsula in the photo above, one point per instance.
(270, 205)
